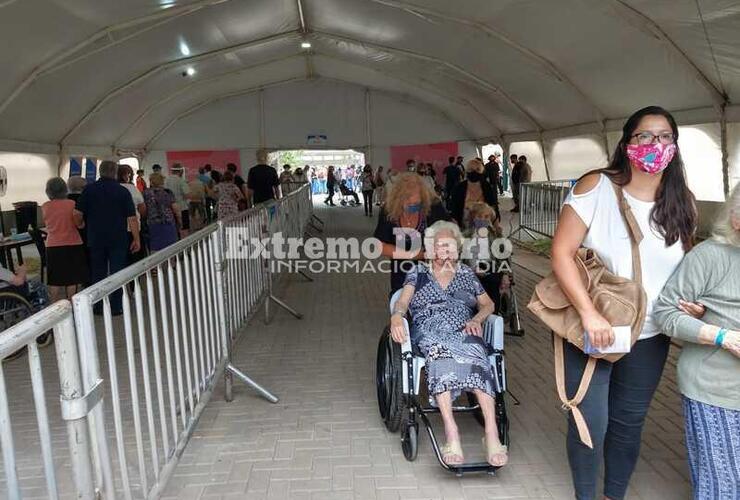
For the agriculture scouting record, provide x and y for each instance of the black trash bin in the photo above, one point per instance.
(25, 215)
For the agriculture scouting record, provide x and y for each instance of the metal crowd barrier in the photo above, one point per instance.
(180, 309)
(539, 205)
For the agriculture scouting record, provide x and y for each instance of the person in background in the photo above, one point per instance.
(409, 204)
(299, 175)
(75, 185)
(331, 184)
(520, 174)
(197, 203)
(709, 363)
(107, 210)
(262, 181)
(472, 190)
(647, 166)
(228, 196)
(484, 228)
(432, 173)
(379, 185)
(179, 187)
(453, 177)
(66, 261)
(140, 181)
(500, 180)
(204, 176)
(410, 165)
(162, 214)
(492, 172)
(238, 180)
(512, 162)
(367, 185)
(421, 169)
(286, 175)
(125, 176)
(157, 168)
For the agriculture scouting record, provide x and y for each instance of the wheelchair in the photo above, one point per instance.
(398, 381)
(17, 304)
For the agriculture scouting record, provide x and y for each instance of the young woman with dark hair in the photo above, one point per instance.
(647, 166)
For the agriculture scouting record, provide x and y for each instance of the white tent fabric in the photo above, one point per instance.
(106, 75)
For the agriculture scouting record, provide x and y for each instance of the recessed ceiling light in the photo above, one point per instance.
(184, 49)
(190, 71)
(305, 45)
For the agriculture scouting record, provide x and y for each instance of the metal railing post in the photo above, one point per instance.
(70, 381)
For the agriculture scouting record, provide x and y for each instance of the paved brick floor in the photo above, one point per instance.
(324, 439)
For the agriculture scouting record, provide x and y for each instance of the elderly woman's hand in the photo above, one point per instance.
(398, 331)
(473, 327)
(732, 342)
(694, 309)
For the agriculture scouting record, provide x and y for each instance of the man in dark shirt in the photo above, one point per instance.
(262, 181)
(522, 172)
(108, 212)
(492, 172)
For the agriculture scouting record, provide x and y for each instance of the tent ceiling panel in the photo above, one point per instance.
(713, 45)
(159, 116)
(121, 111)
(95, 71)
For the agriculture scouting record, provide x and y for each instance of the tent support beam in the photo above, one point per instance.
(368, 126)
(263, 132)
(725, 152)
(540, 60)
(61, 60)
(162, 67)
(541, 143)
(632, 15)
(480, 82)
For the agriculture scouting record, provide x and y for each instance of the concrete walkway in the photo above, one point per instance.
(324, 440)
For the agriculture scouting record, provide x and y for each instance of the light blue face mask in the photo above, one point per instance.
(479, 223)
(412, 209)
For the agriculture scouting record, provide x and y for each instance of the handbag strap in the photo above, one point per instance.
(572, 404)
(634, 231)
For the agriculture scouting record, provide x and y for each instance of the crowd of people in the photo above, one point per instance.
(692, 293)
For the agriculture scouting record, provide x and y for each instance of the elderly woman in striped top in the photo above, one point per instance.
(709, 365)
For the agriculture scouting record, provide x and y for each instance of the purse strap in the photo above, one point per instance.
(634, 231)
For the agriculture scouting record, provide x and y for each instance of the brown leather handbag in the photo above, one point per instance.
(620, 300)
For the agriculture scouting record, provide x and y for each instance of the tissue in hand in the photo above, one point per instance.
(622, 342)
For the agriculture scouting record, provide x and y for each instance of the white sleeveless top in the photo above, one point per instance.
(608, 236)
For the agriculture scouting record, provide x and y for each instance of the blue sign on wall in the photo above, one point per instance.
(75, 166)
(91, 169)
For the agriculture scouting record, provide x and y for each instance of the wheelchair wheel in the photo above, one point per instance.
(14, 308)
(410, 441)
(388, 381)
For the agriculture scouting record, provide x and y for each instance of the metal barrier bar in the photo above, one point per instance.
(73, 399)
(540, 204)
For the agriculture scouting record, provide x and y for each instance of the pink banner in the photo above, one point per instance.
(436, 154)
(193, 160)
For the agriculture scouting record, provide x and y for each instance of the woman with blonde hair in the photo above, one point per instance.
(709, 364)
(410, 207)
(474, 189)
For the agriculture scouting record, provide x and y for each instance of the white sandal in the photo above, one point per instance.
(452, 449)
(495, 450)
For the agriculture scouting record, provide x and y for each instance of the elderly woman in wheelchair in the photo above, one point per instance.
(441, 297)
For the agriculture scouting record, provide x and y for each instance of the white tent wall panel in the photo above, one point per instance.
(733, 150)
(569, 158)
(27, 176)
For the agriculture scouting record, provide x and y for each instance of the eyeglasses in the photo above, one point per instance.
(644, 138)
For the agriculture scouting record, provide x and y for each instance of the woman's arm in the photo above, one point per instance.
(485, 308)
(400, 308)
(569, 236)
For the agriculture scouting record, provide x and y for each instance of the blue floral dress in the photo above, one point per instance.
(455, 360)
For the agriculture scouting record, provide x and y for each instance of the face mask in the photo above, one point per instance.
(480, 223)
(651, 158)
(412, 209)
(475, 176)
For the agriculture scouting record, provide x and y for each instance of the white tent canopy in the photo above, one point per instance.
(104, 76)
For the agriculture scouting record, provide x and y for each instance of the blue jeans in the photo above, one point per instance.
(615, 407)
(107, 260)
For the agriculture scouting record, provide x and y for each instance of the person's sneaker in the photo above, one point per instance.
(45, 339)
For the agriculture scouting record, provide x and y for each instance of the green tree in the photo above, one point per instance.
(290, 157)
